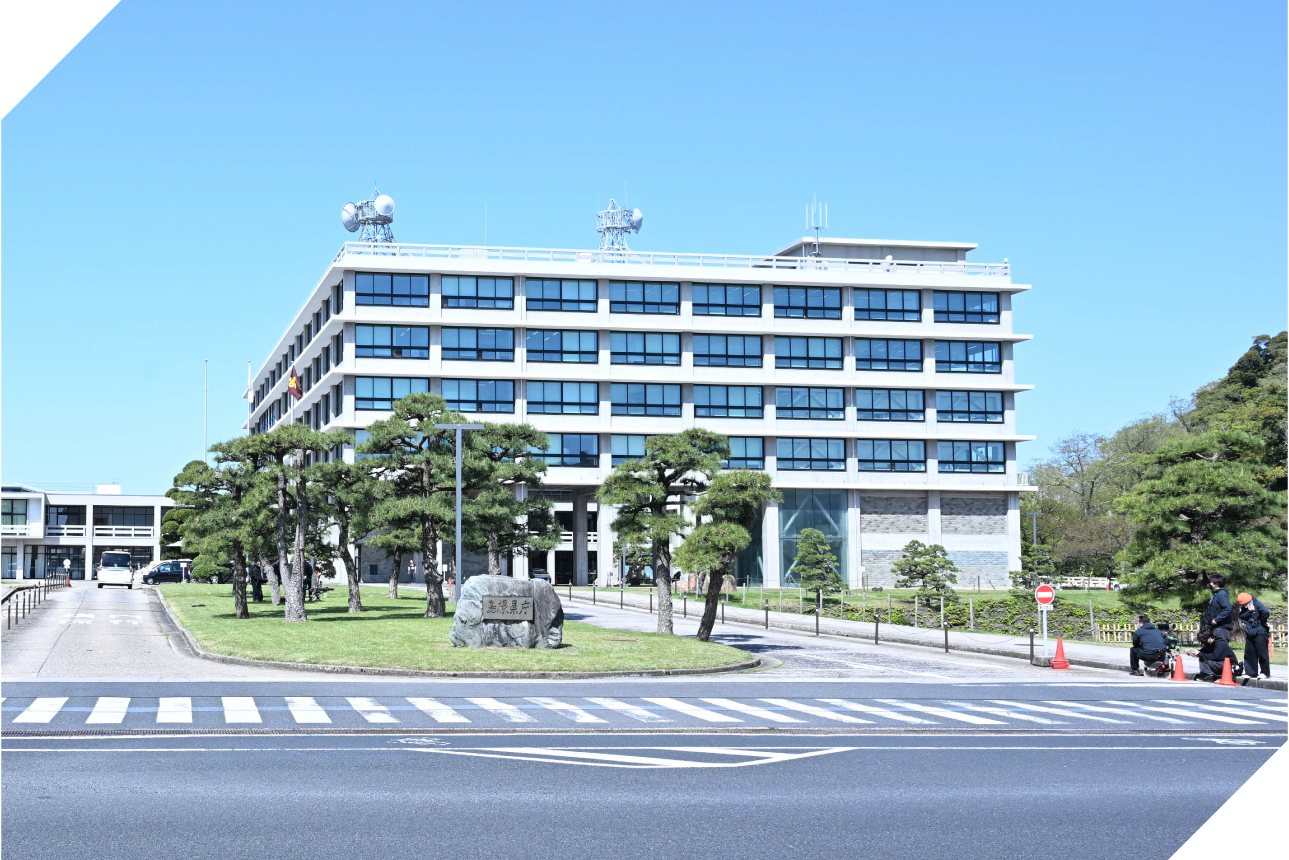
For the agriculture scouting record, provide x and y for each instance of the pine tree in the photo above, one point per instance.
(350, 494)
(928, 568)
(1205, 509)
(1038, 565)
(815, 566)
(650, 494)
(416, 465)
(726, 513)
(507, 514)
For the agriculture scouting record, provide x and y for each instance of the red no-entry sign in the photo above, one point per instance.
(1045, 594)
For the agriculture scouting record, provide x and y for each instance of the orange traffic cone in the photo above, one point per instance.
(1179, 674)
(1226, 680)
(1059, 661)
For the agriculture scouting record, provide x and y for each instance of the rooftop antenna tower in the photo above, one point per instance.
(372, 216)
(613, 225)
(816, 220)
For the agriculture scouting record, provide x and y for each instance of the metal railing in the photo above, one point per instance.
(658, 258)
(20, 529)
(19, 602)
(65, 531)
(123, 531)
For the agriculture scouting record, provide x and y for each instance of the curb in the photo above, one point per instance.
(203, 654)
(1280, 684)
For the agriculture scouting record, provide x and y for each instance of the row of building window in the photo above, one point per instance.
(637, 297)
(14, 512)
(663, 348)
(582, 450)
(710, 401)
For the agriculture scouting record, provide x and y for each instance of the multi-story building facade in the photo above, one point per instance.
(873, 380)
(40, 530)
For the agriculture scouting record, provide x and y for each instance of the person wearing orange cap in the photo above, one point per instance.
(1255, 617)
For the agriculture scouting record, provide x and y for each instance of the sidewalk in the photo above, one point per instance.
(1078, 653)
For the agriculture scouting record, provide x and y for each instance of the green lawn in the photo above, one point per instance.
(392, 633)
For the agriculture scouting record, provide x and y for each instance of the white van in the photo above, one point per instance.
(114, 568)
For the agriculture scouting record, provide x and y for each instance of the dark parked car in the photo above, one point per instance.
(166, 571)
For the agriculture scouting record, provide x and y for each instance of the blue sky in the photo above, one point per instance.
(172, 188)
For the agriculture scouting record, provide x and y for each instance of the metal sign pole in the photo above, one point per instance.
(456, 571)
(1045, 633)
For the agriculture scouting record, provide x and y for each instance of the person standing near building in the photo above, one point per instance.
(411, 570)
(257, 583)
(1256, 619)
(1218, 616)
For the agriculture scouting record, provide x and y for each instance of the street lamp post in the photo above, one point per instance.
(456, 570)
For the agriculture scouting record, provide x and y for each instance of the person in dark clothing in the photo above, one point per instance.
(1148, 644)
(1218, 616)
(1256, 620)
(1212, 654)
(304, 580)
(257, 583)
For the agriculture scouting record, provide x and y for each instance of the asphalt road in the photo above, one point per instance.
(617, 796)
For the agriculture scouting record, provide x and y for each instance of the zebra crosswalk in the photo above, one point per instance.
(416, 713)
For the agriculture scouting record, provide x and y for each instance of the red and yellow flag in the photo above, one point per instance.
(293, 384)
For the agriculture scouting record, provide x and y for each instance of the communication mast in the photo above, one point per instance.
(816, 220)
(613, 225)
(373, 216)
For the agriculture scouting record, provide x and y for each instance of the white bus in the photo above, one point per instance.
(114, 568)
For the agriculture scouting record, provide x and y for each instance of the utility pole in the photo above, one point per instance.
(1033, 524)
(205, 407)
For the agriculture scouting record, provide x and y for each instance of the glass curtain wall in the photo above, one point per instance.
(824, 510)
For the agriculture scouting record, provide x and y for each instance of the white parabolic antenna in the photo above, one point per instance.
(372, 216)
(637, 219)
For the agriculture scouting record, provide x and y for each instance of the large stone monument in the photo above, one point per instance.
(497, 611)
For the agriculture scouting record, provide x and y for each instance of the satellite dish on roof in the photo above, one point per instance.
(349, 217)
(637, 219)
(384, 205)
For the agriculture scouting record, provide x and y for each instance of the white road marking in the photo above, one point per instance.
(1239, 712)
(592, 757)
(694, 711)
(815, 711)
(108, 709)
(573, 712)
(174, 709)
(306, 710)
(752, 710)
(1181, 713)
(1122, 711)
(633, 711)
(1013, 715)
(1060, 712)
(240, 709)
(509, 713)
(372, 711)
(879, 712)
(438, 711)
(945, 713)
(42, 710)
(1255, 703)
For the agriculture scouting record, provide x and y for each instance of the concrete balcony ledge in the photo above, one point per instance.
(124, 531)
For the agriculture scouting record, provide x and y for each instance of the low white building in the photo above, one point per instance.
(40, 529)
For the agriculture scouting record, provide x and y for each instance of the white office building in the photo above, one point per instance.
(874, 380)
(41, 529)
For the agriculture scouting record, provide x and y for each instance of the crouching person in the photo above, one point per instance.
(1148, 644)
(1213, 652)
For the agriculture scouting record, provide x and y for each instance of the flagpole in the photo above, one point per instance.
(205, 409)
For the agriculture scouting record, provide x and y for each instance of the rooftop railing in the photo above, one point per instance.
(658, 258)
